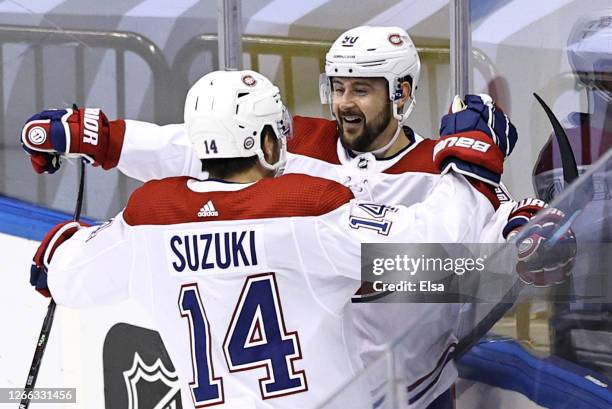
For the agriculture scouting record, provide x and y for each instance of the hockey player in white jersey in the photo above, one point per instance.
(396, 166)
(247, 276)
(368, 138)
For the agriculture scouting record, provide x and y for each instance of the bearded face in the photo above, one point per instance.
(363, 112)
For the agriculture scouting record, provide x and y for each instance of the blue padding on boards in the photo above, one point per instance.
(550, 382)
(29, 221)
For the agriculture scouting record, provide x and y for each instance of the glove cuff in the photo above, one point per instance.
(523, 212)
(472, 153)
(487, 190)
(116, 135)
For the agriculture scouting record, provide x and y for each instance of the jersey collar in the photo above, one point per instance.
(215, 185)
(367, 161)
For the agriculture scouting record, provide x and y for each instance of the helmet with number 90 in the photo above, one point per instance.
(226, 112)
(386, 52)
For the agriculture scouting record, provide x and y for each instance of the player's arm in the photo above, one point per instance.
(454, 212)
(141, 150)
(85, 266)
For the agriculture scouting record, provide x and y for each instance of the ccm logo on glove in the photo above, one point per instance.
(461, 142)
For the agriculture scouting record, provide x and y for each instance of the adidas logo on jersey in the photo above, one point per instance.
(208, 210)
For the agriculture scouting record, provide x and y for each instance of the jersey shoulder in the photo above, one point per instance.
(171, 201)
(418, 159)
(314, 137)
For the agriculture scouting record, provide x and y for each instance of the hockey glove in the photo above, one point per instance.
(475, 138)
(547, 251)
(40, 263)
(85, 133)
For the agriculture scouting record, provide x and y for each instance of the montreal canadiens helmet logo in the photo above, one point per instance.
(396, 39)
(249, 143)
(37, 135)
(249, 80)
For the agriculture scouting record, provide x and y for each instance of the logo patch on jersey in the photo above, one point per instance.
(99, 229)
(363, 163)
(208, 210)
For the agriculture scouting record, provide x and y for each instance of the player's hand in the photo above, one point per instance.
(40, 263)
(548, 249)
(84, 132)
(475, 138)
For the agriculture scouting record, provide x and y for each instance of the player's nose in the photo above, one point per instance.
(345, 101)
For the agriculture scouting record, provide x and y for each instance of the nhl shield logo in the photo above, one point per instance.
(141, 377)
(138, 372)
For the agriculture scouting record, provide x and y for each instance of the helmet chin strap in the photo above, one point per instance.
(378, 151)
(400, 122)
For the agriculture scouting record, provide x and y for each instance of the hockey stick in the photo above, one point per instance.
(43, 338)
(570, 173)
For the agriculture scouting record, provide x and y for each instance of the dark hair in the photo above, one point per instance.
(226, 167)
(407, 78)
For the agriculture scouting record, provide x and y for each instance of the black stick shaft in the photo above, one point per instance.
(45, 331)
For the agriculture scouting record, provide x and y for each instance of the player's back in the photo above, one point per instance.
(234, 277)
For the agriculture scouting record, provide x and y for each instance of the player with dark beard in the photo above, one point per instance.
(368, 128)
(371, 76)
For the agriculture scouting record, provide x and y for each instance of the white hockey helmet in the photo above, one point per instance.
(386, 52)
(226, 112)
(589, 49)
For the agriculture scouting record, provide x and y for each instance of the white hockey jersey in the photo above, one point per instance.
(152, 152)
(249, 283)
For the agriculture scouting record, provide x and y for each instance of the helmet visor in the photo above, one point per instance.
(325, 89)
(284, 127)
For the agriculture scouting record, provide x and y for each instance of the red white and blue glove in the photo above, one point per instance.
(40, 263)
(84, 132)
(475, 138)
(547, 249)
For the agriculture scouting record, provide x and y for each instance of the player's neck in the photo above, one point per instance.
(248, 176)
(400, 142)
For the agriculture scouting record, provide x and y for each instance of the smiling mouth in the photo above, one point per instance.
(351, 119)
